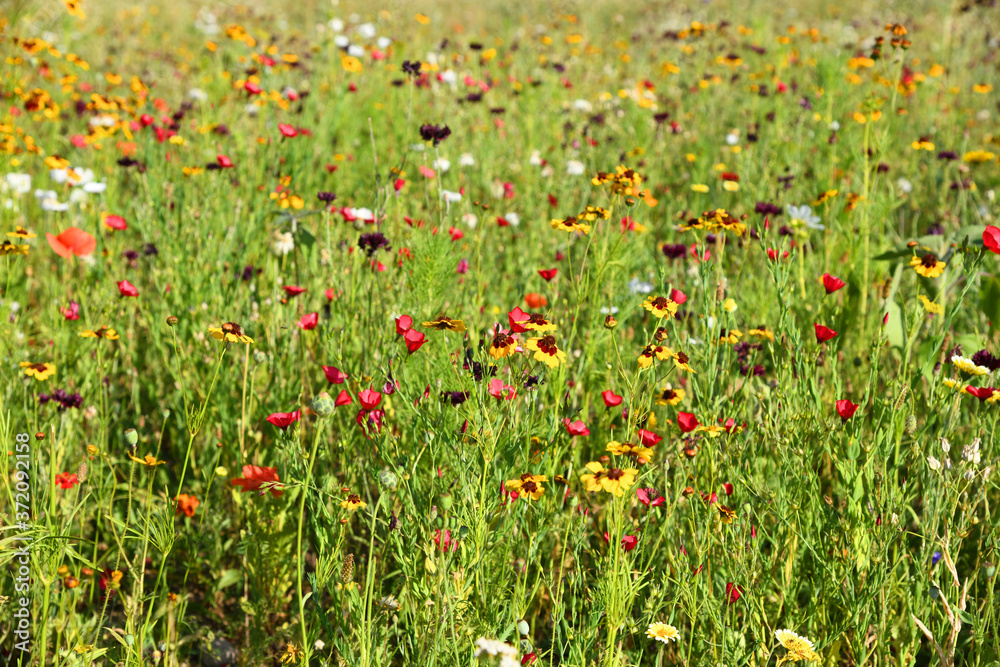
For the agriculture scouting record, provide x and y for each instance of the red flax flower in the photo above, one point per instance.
(370, 399)
(284, 419)
(115, 222)
(414, 339)
(403, 324)
(293, 290)
(687, 421)
(186, 505)
(846, 409)
(823, 333)
(224, 162)
(66, 480)
(73, 241)
(650, 497)
(832, 283)
(308, 321)
(733, 592)
(982, 393)
(334, 375)
(549, 274)
(648, 438)
(287, 130)
(991, 238)
(611, 399)
(630, 542)
(257, 477)
(343, 398)
(576, 428)
(125, 288)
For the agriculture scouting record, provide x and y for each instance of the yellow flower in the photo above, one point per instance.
(729, 305)
(546, 351)
(930, 306)
(699, 187)
(502, 346)
(726, 514)
(291, 655)
(230, 332)
(443, 323)
(102, 332)
(83, 648)
(953, 384)
(40, 372)
(527, 486)
(762, 332)
(799, 648)
(660, 306)
(75, 8)
(148, 460)
(421, 19)
(615, 481)
(824, 197)
(968, 366)
(592, 213)
(731, 337)
(21, 233)
(977, 157)
(680, 360)
(662, 632)
(929, 266)
(922, 144)
(353, 503)
(982, 88)
(8, 248)
(570, 224)
(670, 396)
(351, 64)
(638, 452)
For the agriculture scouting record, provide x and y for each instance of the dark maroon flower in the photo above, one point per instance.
(987, 360)
(434, 133)
(372, 242)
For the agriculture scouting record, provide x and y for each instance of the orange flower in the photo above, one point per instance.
(186, 504)
(535, 300)
(73, 241)
(257, 477)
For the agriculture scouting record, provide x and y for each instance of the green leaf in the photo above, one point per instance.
(895, 327)
(989, 300)
(228, 578)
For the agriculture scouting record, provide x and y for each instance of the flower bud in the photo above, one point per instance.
(131, 437)
(171, 321)
(323, 405)
(387, 479)
(610, 322)
(522, 627)
(446, 501)
(259, 357)
(911, 424)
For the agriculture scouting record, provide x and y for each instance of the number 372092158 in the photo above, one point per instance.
(22, 466)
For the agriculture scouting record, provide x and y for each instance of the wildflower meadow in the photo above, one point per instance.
(452, 334)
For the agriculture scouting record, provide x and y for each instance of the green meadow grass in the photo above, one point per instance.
(171, 523)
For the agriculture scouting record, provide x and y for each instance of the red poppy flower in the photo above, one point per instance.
(846, 409)
(733, 592)
(548, 274)
(66, 480)
(728, 488)
(255, 477)
(293, 290)
(414, 339)
(125, 288)
(224, 161)
(576, 428)
(115, 222)
(982, 393)
(630, 542)
(329, 294)
(334, 375)
(284, 419)
(343, 398)
(823, 333)
(403, 324)
(370, 399)
(832, 283)
(649, 497)
(611, 399)
(73, 241)
(252, 88)
(287, 130)
(648, 438)
(308, 321)
(687, 421)
(991, 238)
